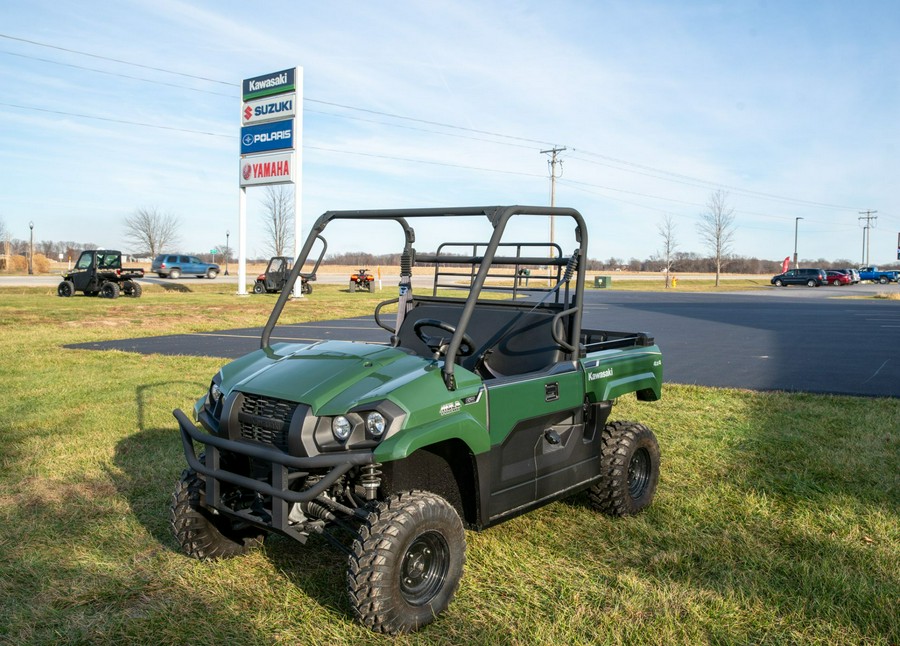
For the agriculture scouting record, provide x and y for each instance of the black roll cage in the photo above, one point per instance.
(498, 216)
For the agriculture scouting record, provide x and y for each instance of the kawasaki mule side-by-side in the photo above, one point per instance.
(486, 399)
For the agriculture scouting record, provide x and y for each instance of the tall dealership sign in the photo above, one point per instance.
(271, 147)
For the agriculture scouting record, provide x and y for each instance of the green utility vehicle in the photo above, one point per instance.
(486, 400)
(99, 272)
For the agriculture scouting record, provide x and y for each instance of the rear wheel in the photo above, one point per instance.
(175, 274)
(202, 534)
(109, 290)
(629, 459)
(811, 283)
(406, 564)
(66, 288)
(131, 288)
(305, 288)
(883, 280)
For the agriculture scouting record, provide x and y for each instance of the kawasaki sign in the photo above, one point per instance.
(268, 84)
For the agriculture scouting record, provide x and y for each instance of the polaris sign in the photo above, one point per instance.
(269, 84)
(282, 106)
(267, 136)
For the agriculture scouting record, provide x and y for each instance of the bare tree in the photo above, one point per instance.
(666, 230)
(151, 231)
(278, 220)
(716, 228)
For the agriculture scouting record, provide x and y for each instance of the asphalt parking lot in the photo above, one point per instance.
(790, 339)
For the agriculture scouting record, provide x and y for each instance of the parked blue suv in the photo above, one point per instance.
(176, 265)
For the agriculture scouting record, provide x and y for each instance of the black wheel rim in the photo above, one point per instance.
(424, 568)
(638, 472)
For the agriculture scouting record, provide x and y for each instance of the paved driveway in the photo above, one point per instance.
(794, 339)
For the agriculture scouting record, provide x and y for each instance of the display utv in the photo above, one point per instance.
(99, 272)
(488, 399)
(275, 277)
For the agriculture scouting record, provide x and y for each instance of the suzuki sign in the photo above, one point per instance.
(282, 106)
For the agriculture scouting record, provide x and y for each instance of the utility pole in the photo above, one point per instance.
(553, 161)
(796, 222)
(867, 236)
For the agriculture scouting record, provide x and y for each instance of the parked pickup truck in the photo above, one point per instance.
(486, 399)
(99, 272)
(878, 276)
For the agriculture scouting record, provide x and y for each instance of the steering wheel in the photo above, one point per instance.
(437, 343)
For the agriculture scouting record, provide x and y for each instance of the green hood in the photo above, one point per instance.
(331, 376)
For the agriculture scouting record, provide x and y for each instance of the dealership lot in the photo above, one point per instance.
(792, 339)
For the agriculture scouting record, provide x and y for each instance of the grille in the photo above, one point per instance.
(266, 420)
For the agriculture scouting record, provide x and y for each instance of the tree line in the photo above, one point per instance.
(150, 231)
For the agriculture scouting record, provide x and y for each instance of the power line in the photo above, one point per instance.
(116, 60)
(111, 120)
(623, 165)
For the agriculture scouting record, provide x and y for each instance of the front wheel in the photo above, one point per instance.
(66, 288)
(212, 273)
(259, 288)
(200, 533)
(779, 283)
(629, 460)
(407, 562)
(305, 288)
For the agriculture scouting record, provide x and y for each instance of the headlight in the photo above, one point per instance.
(215, 393)
(375, 423)
(341, 427)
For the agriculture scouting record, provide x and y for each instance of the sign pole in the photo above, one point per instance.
(298, 173)
(242, 243)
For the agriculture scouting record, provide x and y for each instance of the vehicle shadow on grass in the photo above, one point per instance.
(173, 287)
(149, 464)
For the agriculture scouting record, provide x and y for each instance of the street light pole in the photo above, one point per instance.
(31, 250)
(796, 223)
(227, 249)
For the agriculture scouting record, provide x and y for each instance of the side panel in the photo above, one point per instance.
(537, 438)
(609, 374)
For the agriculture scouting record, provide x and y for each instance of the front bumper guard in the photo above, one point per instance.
(335, 464)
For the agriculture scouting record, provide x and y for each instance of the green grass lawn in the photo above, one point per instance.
(777, 518)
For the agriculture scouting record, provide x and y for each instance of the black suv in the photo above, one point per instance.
(808, 277)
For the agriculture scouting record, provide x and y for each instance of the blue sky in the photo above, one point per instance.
(789, 107)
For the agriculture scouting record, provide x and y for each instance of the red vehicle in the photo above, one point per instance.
(362, 279)
(836, 278)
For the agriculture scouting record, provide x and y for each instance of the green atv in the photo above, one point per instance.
(486, 400)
